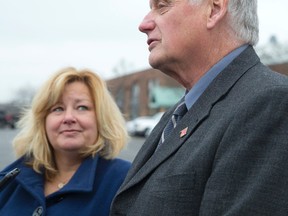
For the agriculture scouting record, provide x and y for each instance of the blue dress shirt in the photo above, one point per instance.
(197, 90)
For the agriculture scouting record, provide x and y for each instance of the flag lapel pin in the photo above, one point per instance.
(183, 132)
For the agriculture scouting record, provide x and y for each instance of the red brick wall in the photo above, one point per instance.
(281, 68)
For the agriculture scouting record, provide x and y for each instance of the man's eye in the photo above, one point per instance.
(162, 7)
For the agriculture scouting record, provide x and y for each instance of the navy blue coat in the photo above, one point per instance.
(89, 192)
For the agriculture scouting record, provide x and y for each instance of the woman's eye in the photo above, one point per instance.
(82, 108)
(57, 109)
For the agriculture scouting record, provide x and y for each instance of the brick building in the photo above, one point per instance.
(281, 68)
(144, 93)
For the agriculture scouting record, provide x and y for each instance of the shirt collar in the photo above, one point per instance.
(197, 90)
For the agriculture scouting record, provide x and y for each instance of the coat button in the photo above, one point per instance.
(38, 211)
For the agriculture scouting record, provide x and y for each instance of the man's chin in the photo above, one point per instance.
(155, 61)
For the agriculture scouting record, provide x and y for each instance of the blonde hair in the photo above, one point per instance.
(32, 140)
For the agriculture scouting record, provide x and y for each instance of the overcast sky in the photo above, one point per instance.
(38, 37)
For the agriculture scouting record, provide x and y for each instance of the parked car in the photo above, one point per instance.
(142, 126)
(6, 120)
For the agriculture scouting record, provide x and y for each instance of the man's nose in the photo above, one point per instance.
(147, 23)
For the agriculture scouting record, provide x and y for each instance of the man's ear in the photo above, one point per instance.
(217, 9)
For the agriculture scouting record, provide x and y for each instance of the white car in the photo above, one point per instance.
(142, 126)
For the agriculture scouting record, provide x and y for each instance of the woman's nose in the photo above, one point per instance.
(69, 117)
(147, 23)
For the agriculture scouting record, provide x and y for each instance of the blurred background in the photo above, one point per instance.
(39, 37)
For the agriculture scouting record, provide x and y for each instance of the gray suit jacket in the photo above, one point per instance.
(233, 160)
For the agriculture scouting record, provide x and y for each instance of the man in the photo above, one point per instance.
(228, 155)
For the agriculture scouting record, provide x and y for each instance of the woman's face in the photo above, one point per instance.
(71, 123)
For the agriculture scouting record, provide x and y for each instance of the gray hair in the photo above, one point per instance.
(242, 19)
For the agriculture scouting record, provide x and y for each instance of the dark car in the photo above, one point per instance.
(6, 120)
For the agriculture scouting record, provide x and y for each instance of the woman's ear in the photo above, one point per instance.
(217, 9)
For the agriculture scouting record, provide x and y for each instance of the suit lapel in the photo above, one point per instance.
(147, 160)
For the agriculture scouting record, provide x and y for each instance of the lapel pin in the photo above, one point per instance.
(183, 132)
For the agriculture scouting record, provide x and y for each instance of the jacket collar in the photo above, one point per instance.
(82, 180)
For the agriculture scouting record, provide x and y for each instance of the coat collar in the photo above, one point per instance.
(82, 180)
(146, 160)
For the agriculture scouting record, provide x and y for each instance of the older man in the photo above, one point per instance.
(226, 151)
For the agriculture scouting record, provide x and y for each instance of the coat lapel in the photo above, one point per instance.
(146, 160)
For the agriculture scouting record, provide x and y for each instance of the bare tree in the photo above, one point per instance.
(273, 52)
(122, 68)
(24, 95)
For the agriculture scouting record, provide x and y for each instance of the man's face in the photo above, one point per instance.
(174, 29)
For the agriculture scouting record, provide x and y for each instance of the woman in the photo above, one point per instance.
(66, 147)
